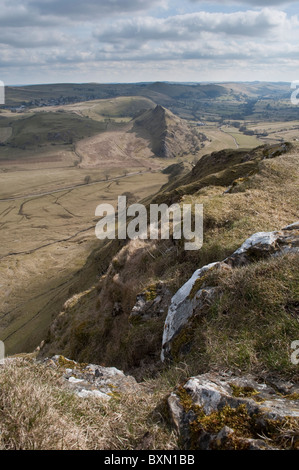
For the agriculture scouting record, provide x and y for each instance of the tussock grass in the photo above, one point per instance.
(37, 413)
(252, 322)
(249, 327)
(267, 200)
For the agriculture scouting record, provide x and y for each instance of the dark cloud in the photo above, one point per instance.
(22, 13)
(90, 8)
(190, 26)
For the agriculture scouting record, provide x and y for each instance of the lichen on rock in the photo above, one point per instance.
(207, 414)
(197, 293)
(90, 380)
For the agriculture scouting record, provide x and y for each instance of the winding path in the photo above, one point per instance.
(234, 139)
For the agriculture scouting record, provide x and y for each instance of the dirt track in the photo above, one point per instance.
(47, 193)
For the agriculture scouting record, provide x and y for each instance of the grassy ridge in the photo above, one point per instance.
(52, 128)
(261, 200)
(250, 325)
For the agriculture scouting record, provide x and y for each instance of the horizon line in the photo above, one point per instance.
(149, 82)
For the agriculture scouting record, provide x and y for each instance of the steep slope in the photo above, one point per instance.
(120, 320)
(229, 379)
(169, 135)
(226, 168)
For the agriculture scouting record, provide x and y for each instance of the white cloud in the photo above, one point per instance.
(70, 35)
(33, 36)
(189, 26)
(200, 36)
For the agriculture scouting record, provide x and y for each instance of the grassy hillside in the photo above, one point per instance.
(247, 328)
(122, 107)
(38, 414)
(51, 129)
(242, 193)
(56, 166)
(80, 297)
(226, 168)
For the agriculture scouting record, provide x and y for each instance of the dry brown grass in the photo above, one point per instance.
(36, 413)
(265, 201)
(249, 328)
(251, 323)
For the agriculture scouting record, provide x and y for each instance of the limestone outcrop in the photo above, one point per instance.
(152, 302)
(196, 293)
(214, 411)
(90, 380)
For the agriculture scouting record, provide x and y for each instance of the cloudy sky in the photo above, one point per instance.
(47, 41)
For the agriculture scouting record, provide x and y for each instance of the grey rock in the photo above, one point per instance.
(176, 411)
(150, 304)
(210, 393)
(195, 294)
(294, 226)
(92, 380)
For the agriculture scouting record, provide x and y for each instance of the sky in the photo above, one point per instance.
(122, 41)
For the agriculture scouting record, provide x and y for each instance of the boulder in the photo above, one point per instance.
(90, 380)
(196, 294)
(214, 411)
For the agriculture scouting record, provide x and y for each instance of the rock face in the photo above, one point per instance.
(214, 411)
(90, 380)
(169, 135)
(195, 294)
(152, 302)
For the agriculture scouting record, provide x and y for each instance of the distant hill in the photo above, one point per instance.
(169, 135)
(159, 91)
(235, 100)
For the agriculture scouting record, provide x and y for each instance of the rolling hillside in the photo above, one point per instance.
(183, 326)
(269, 101)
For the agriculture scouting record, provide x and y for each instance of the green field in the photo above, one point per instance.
(242, 140)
